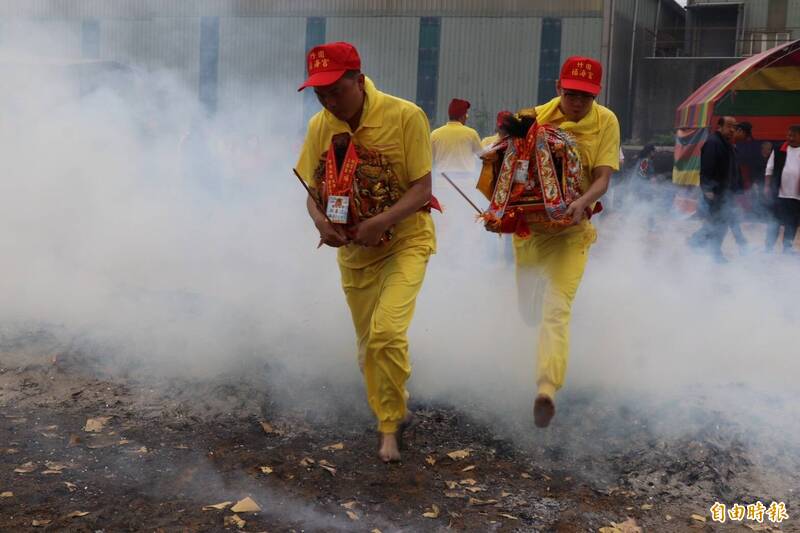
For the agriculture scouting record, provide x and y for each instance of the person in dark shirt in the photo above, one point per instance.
(751, 167)
(719, 179)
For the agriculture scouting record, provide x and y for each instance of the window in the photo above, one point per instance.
(549, 59)
(90, 39)
(209, 62)
(428, 64)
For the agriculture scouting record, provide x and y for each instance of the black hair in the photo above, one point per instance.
(795, 128)
(518, 126)
(351, 74)
(745, 127)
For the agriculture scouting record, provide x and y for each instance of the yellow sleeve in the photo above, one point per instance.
(308, 160)
(608, 149)
(476, 143)
(417, 144)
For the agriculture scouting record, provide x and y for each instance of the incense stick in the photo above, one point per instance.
(462, 194)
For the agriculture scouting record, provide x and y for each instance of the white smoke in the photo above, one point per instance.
(118, 229)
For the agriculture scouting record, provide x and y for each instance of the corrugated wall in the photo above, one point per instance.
(493, 63)
(43, 37)
(581, 36)
(261, 64)
(755, 12)
(298, 8)
(616, 94)
(388, 47)
(793, 18)
(154, 44)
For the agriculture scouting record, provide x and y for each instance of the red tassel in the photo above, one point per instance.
(434, 204)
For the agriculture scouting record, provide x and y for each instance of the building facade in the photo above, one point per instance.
(716, 34)
(500, 54)
(733, 28)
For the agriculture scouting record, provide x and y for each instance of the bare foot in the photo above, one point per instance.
(543, 411)
(388, 452)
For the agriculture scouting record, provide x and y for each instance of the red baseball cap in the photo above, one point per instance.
(328, 62)
(582, 74)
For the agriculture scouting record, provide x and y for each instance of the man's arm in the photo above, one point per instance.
(601, 178)
(306, 165)
(477, 149)
(370, 231)
(607, 163)
(329, 233)
(417, 143)
(708, 163)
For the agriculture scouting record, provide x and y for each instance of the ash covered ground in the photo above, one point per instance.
(140, 452)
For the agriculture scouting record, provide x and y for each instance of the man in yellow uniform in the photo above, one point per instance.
(558, 257)
(383, 247)
(455, 145)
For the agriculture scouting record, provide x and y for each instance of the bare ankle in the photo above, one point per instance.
(388, 450)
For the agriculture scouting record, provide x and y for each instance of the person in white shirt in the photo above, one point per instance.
(782, 183)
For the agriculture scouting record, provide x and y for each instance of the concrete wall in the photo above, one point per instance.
(755, 11)
(756, 14)
(629, 48)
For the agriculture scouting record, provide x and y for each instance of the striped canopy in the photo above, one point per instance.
(763, 89)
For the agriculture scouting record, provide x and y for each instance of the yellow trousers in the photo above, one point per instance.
(382, 297)
(549, 270)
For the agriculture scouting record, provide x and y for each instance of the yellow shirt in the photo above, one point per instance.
(597, 134)
(455, 148)
(399, 130)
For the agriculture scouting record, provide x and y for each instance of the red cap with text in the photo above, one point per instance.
(582, 74)
(327, 63)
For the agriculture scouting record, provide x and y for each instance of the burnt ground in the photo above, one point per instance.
(166, 451)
